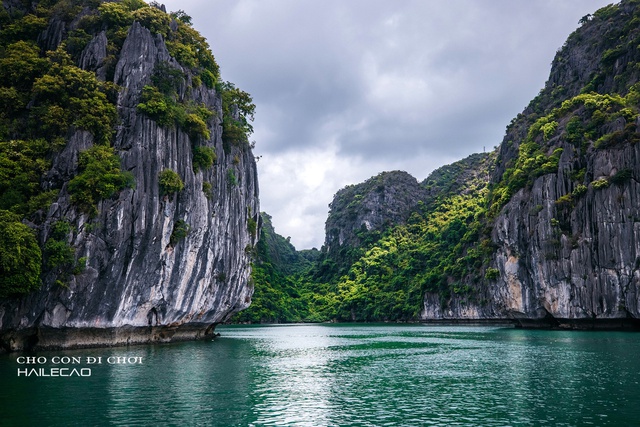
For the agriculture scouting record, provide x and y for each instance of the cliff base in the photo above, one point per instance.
(47, 338)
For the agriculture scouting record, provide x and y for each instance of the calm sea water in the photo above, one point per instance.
(340, 375)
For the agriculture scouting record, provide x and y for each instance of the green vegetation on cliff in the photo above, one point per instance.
(275, 273)
(20, 257)
(47, 98)
(587, 120)
(99, 177)
(360, 214)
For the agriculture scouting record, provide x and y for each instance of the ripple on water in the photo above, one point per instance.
(350, 375)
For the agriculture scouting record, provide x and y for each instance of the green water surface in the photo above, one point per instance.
(341, 375)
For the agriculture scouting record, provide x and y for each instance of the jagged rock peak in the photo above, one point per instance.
(381, 201)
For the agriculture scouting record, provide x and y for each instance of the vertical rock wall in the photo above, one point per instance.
(564, 258)
(578, 262)
(137, 285)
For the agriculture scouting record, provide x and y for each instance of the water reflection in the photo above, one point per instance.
(202, 383)
(292, 379)
(346, 375)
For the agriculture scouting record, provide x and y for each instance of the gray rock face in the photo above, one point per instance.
(564, 265)
(384, 200)
(569, 259)
(94, 54)
(578, 261)
(136, 281)
(573, 263)
(52, 36)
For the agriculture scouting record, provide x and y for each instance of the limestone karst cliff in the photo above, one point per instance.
(166, 256)
(360, 213)
(564, 202)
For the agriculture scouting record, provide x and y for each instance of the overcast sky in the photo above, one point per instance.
(345, 89)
